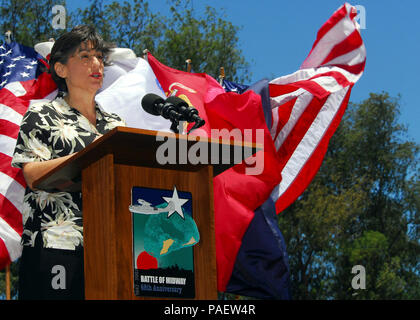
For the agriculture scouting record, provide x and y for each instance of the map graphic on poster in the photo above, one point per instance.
(164, 233)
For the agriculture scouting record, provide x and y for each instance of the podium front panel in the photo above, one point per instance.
(108, 241)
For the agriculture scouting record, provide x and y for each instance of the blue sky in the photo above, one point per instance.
(277, 35)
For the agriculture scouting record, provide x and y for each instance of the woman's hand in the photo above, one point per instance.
(32, 171)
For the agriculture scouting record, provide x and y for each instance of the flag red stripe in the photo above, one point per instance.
(9, 129)
(327, 26)
(280, 89)
(355, 69)
(9, 99)
(284, 111)
(313, 87)
(4, 256)
(313, 163)
(40, 88)
(14, 173)
(352, 42)
(27, 85)
(295, 136)
(9, 214)
(308, 85)
(353, 13)
(339, 77)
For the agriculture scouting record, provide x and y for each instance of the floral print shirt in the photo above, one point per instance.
(49, 131)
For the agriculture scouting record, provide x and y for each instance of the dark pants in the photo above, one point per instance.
(51, 274)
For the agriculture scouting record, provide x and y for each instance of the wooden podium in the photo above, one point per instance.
(106, 170)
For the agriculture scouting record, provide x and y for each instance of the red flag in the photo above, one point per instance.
(241, 189)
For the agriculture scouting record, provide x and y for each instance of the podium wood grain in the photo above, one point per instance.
(115, 252)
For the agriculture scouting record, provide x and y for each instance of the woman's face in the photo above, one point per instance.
(84, 70)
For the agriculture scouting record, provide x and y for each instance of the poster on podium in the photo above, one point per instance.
(164, 233)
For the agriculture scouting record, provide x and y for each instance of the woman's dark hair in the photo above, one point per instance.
(67, 45)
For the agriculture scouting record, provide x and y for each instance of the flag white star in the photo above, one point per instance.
(8, 73)
(24, 74)
(33, 62)
(29, 67)
(178, 203)
(11, 65)
(1, 61)
(3, 83)
(1, 47)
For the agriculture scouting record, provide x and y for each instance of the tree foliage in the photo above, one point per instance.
(128, 24)
(209, 41)
(361, 209)
(29, 21)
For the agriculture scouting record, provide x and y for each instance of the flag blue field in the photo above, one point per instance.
(18, 63)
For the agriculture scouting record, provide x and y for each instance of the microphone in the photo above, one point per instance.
(155, 105)
(188, 114)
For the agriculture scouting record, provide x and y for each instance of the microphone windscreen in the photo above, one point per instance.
(177, 102)
(149, 103)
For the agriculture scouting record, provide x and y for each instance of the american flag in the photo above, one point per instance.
(307, 106)
(21, 82)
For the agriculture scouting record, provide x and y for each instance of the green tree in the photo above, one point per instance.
(369, 184)
(128, 24)
(209, 41)
(29, 21)
(92, 15)
(135, 26)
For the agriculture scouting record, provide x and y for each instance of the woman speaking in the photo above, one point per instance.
(51, 266)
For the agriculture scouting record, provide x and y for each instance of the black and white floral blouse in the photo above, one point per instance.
(48, 131)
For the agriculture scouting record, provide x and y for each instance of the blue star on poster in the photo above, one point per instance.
(164, 233)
